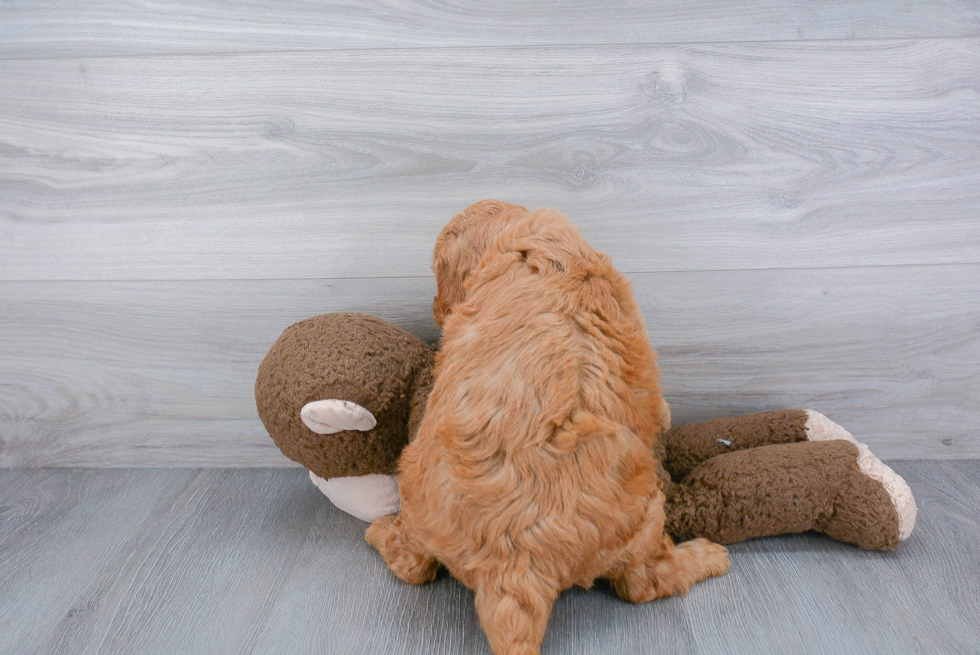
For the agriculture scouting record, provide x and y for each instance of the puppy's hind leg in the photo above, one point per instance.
(514, 614)
(400, 552)
(654, 567)
(672, 571)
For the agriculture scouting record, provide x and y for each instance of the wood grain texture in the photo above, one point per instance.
(891, 353)
(808, 590)
(347, 164)
(64, 28)
(256, 562)
(161, 373)
(57, 529)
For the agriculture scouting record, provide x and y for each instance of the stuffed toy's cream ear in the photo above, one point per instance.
(333, 415)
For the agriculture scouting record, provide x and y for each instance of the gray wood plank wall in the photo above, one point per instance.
(68, 28)
(793, 188)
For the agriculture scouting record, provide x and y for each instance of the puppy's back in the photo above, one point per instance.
(537, 437)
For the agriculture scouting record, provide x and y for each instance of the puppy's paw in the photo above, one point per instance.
(710, 558)
(404, 559)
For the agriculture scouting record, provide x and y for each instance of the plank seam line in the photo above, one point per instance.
(429, 277)
(231, 53)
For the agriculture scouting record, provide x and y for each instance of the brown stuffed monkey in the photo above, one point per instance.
(342, 394)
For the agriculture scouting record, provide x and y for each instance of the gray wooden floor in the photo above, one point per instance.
(257, 561)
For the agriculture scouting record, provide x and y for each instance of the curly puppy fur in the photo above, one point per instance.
(533, 468)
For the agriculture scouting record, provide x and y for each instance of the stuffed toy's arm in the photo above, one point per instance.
(689, 445)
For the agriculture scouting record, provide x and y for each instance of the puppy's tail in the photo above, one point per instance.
(514, 613)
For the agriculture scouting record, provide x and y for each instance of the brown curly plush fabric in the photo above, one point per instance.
(689, 445)
(352, 357)
(783, 488)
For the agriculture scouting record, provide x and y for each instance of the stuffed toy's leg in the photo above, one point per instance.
(368, 497)
(782, 472)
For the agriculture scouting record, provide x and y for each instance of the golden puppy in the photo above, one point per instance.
(533, 468)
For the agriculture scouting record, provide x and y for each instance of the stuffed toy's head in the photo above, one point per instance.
(342, 393)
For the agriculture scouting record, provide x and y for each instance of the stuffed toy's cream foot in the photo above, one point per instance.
(368, 497)
(342, 394)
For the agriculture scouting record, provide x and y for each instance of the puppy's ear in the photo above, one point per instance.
(460, 247)
(450, 277)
